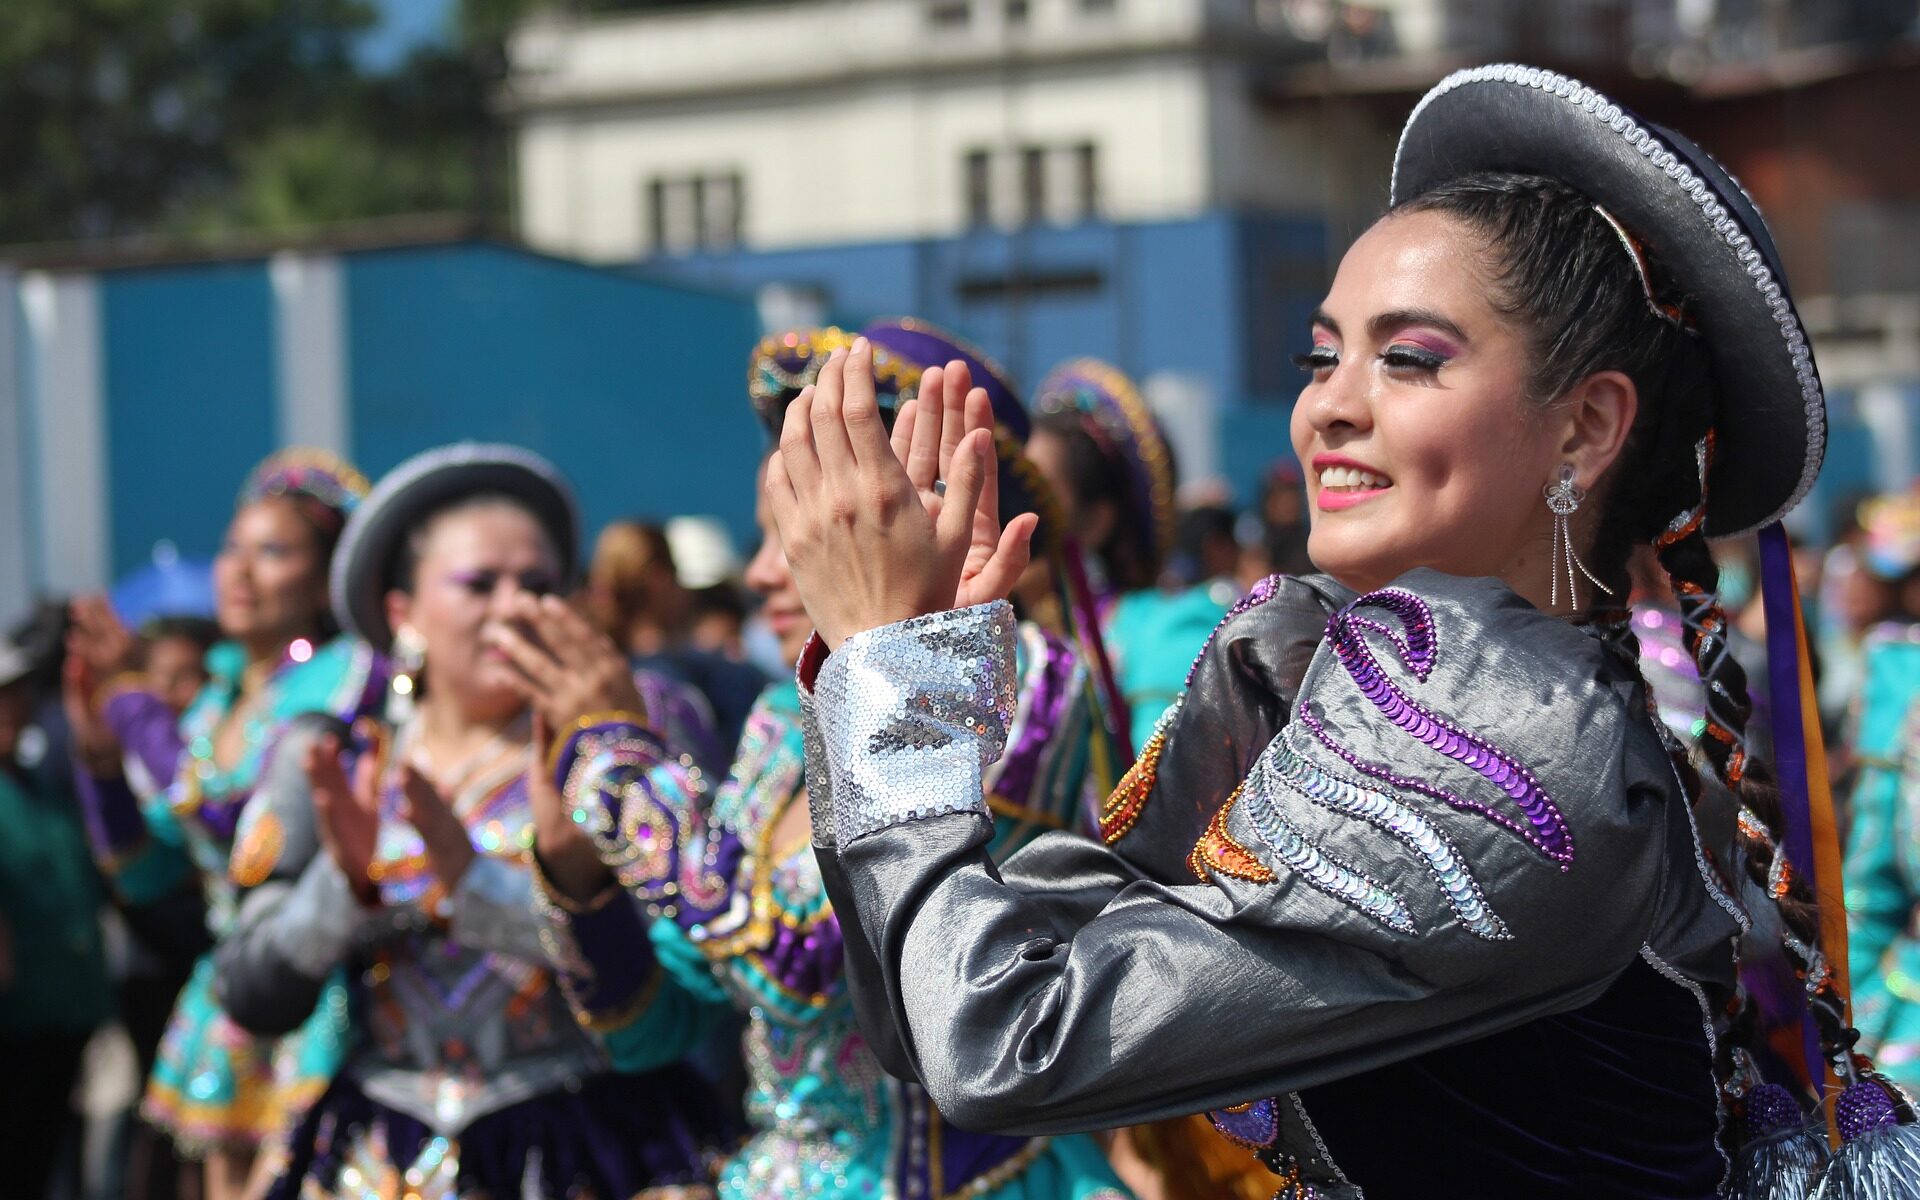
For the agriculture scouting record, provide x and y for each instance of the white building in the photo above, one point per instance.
(814, 122)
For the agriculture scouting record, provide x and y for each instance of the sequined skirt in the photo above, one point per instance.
(651, 1136)
(216, 1086)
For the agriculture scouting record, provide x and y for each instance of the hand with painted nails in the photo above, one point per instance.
(565, 668)
(869, 535)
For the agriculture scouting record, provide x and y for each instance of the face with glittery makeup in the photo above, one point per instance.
(473, 562)
(1420, 442)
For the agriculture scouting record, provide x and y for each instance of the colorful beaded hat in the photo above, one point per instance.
(318, 478)
(1768, 411)
(369, 553)
(1117, 417)
(785, 363)
(931, 346)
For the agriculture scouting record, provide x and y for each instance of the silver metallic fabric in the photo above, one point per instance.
(1456, 819)
(461, 1014)
(911, 716)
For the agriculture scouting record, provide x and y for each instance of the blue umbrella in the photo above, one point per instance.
(169, 586)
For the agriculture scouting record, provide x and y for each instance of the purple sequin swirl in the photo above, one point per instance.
(1254, 1126)
(1863, 1108)
(1546, 828)
(1770, 1109)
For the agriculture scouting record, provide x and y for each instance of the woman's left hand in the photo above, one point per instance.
(867, 547)
(567, 855)
(449, 850)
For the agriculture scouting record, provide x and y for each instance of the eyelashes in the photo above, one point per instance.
(1320, 358)
(1399, 356)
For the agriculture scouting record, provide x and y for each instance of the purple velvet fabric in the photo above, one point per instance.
(615, 1136)
(1490, 1118)
(1050, 694)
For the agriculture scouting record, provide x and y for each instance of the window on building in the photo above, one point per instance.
(1017, 12)
(979, 183)
(695, 212)
(949, 13)
(1086, 164)
(1042, 183)
(1033, 184)
(1098, 6)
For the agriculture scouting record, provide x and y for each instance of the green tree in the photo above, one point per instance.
(117, 114)
(198, 118)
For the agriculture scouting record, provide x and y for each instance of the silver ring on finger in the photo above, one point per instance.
(939, 487)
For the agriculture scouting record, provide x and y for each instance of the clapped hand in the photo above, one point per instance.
(877, 531)
(567, 855)
(348, 812)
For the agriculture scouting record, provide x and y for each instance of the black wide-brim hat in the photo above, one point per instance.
(370, 546)
(1697, 223)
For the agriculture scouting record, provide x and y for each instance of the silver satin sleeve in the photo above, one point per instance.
(1339, 922)
(910, 716)
(303, 920)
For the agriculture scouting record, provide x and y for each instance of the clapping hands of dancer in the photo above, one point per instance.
(568, 670)
(869, 536)
(349, 817)
(348, 812)
(98, 647)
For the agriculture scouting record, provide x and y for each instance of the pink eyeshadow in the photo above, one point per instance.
(1430, 341)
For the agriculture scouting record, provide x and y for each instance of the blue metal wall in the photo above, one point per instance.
(1223, 298)
(188, 385)
(636, 390)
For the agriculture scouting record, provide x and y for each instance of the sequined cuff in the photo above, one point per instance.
(911, 714)
(600, 952)
(627, 794)
(819, 772)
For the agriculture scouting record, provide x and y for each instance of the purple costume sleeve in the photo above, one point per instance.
(633, 800)
(148, 730)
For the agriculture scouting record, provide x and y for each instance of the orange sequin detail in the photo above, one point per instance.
(1129, 799)
(258, 851)
(1218, 851)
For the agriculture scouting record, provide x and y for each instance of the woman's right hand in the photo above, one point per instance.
(96, 634)
(348, 812)
(94, 741)
(566, 668)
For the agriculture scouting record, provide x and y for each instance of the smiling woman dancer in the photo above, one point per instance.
(466, 1073)
(1408, 888)
(218, 1091)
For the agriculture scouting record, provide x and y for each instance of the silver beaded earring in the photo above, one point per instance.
(1564, 498)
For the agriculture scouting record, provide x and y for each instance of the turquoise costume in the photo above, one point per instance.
(749, 925)
(1153, 637)
(213, 1083)
(1883, 856)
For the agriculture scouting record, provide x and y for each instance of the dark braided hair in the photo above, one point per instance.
(1563, 275)
(1096, 473)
